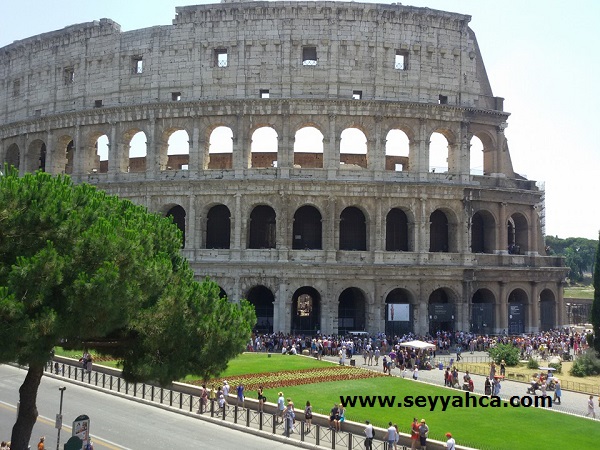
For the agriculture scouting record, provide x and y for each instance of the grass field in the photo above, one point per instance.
(479, 427)
(586, 292)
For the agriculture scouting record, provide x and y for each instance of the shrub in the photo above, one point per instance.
(507, 352)
(532, 364)
(586, 364)
(557, 366)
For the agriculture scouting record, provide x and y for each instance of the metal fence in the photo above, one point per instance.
(319, 435)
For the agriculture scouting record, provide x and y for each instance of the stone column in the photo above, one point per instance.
(533, 315)
(196, 160)
(285, 149)
(329, 238)
(419, 152)
(191, 234)
(532, 246)
(422, 232)
(238, 220)
(502, 246)
(51, 156)
(502, 309)
(331, 156)
(240, 156)
(283, 229)
(376, 149)
(152, 149)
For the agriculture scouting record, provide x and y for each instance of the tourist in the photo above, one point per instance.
(369, 434)
(558, 391)
(334, 417)
(591, 410)
(450, 443)
(390, 436)
(308, 416)
(414, 434)
(423, 434)
(240, 395)
(281, 405)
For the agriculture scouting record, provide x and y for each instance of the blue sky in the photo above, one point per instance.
(541, 56)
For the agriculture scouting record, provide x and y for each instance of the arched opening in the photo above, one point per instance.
(517, 311)
(308, 148)
(438, 232)
(36, 156)
(351, 311)
(353, 229)
(307, 230)
(438, 153)
(399, 313)
(69, 154)
(262, 298)
(102, 154)
(518, 234)
(482, 312)
(441, 312)
(483, 226)
(353, 149)
(13, 156)
(397, 147)
(263, 148)
(220, 148)
(476, 156)
(396, 231)
(178, 151)
(547, 310)
(218, 227)
(306, 311)
(222, 293)
(138, 151)
(177, 214)
(262, 227)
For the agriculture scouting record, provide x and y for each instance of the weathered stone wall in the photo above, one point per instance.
(61, 91)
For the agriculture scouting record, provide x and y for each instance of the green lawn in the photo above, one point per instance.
(586, 292)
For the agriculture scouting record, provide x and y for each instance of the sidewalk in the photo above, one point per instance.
(574, 403)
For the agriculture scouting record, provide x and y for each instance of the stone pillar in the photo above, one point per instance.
(196, 160)
(238, 220)
(78, 154)
(502, 309)
(329, 235)
(241, 155)
(331, 156)
(422, 231)
(152, 149)
(191, 233)
(533, 314)
(285, 149)
(560, 306)
(377, 232)
(51, 155)
(419, 152)
(501, 165)
(376, 149)
(502, 245)
(532, 245)
(283, 228)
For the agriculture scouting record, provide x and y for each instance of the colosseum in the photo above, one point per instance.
(291, 142)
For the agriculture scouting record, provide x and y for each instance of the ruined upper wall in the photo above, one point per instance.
(265, 42)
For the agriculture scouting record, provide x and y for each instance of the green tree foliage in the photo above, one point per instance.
(507, 352)
(579, 254)
(586, 364)
(596, 304)
(91, 271)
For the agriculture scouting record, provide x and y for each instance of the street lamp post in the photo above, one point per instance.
(59, 416)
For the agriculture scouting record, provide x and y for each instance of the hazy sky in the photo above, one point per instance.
(543, 57)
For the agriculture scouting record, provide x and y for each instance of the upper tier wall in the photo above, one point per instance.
(354, 45)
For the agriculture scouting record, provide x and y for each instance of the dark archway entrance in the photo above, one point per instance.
(399, 313)
(396, 231)
(262, 227)
(306, 311)
(351, 311)
(353, 229)
(547, 310)
(482, 232)
(177, 214)
(517, 311)
(441, 312)
(307, 232)
(438, 232)
(262, 298)
(482, 312)
(218, 227)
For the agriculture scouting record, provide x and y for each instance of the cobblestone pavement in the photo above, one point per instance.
(571, 402)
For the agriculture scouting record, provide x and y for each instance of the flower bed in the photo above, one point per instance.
(293, 377)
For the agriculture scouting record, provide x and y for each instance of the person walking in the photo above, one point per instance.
(41, 445)
(558, 391)
(414, 434)
(423, 434)
(308, 416)
(281, 405)
(390, 436)
(450, 443)
(261, 399)
(591, 410)
(369, 435)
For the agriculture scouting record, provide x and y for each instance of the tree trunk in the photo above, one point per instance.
(21, 432)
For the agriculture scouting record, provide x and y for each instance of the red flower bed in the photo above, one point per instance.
(293, 377)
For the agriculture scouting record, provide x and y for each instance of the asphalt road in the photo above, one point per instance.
(116, 423)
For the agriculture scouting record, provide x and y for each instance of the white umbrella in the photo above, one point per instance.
(417, 344)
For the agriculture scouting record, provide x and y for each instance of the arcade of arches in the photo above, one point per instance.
(308, 309)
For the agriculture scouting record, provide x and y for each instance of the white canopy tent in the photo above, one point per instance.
(417, 344)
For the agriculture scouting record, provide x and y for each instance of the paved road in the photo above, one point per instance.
(572, 402)
(117, 423)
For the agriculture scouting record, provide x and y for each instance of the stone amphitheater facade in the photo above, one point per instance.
(321, 239)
